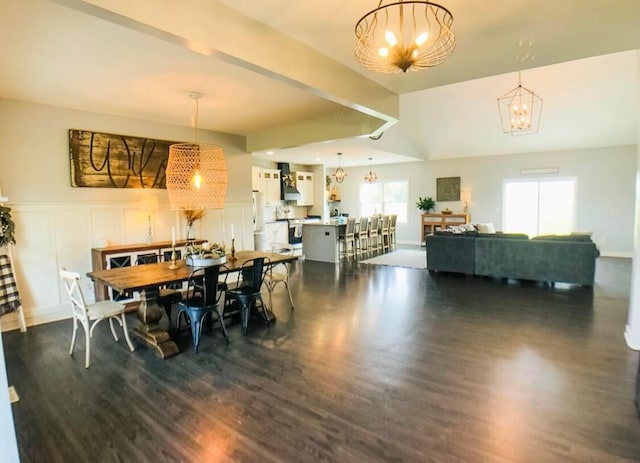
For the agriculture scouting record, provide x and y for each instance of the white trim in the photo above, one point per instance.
(629, 339)
(48, 315)
(626, 255)
(540, 171)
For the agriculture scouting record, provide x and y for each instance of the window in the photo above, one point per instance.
(539, 207)
(385, 198)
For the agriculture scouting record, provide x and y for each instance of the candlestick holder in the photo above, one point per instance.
(173, 265)
(233, 250)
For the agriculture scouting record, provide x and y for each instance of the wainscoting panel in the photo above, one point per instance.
(35, 258)
(107, 224)
(52, 236)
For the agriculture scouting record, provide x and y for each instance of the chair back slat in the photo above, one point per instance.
(364, 224)
(253, 272)
(283, 267)
(74, 291)
(351, 227)
(203, 287)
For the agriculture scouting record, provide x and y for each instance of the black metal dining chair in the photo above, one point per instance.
(246, 294)
(201, 299)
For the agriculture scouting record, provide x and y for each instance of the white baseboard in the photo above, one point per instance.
(48, 315)
(412, 243)
(626, 255)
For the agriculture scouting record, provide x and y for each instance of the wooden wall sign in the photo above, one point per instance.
(104, 160)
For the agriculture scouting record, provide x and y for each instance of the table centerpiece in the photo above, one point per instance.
(206, 254)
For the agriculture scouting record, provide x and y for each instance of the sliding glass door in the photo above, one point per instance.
(539, 207)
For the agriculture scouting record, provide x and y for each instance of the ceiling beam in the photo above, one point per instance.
(212, 29)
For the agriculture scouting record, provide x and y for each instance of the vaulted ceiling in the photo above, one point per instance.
(282, 73)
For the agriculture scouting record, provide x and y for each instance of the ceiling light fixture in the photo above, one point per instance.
(402, 35)
(371, 177)
(339, 174)
(520, 111)
(196, 173)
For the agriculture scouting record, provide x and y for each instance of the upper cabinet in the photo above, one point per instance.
(256, 178)
(271, 186)
(304, 184)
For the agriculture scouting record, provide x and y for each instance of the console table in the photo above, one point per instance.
(441, 221)
(126, 255)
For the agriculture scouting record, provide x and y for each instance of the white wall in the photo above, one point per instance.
(56, 225)
(605, 196)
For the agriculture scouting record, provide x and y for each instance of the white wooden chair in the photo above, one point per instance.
(279, 273)
(85, 314)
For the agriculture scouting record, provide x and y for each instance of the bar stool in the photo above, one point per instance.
(348, 239)
(385, 237)
(392, 229)
(362, 238)
(374, 244)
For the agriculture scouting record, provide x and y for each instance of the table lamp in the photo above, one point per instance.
(465, 197)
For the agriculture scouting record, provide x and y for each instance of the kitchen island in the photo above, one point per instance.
(320, 241)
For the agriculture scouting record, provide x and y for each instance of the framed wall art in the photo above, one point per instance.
(104, 160)
(448, 189)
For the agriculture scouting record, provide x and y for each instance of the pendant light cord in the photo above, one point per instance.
(195, 126)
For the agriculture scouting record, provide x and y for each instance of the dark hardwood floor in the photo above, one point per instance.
(376, 364)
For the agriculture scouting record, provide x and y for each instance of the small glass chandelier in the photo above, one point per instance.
(371, 177)
(520, 111)
(339, 174)
(400, 34)
(196, 173)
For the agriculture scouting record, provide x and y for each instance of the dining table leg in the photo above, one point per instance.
(148, 330)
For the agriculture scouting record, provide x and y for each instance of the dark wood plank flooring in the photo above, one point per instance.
(376, 364)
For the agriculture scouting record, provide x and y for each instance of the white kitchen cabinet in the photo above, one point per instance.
(271, 186)
(256, 178)
(304, 184)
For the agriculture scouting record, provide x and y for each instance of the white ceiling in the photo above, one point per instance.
(79, 54)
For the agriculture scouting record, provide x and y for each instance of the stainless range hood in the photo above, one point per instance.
(288, 192)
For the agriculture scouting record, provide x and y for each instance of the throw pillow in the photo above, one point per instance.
(486, 228)
(457, 229)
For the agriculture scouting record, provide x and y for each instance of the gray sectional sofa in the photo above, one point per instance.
(556, 258)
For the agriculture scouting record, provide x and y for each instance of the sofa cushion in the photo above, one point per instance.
(543, 260)
(508, 236)
(580, 238)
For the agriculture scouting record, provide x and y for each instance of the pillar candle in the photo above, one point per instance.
(173, 236)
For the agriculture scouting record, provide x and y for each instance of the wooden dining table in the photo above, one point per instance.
(147, 278)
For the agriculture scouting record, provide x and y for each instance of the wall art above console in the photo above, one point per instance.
(103, 160)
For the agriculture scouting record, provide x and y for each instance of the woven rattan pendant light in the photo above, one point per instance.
(196, 173)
